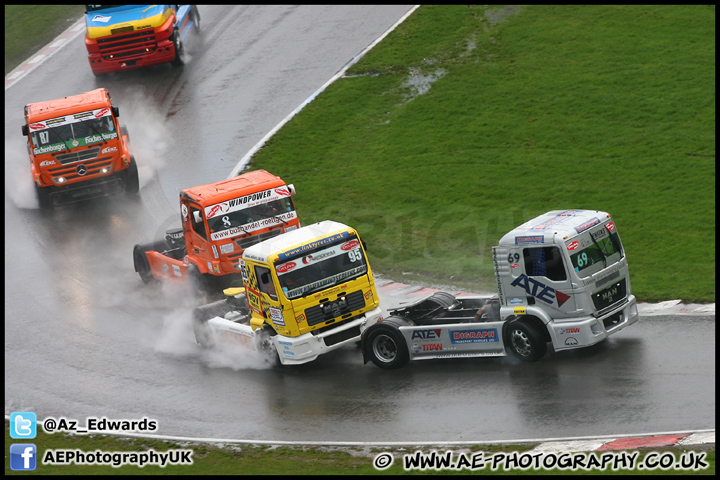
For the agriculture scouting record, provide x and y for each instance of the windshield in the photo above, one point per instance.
(321, 268)
(72, 131)
(93, 8)
(604, 248)
(244, 221)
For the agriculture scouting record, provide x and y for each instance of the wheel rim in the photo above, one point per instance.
(521, 342)
(384, 348)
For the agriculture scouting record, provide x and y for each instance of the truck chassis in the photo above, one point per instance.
(445, 326)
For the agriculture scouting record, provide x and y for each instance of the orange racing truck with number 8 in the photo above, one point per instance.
(219, 221)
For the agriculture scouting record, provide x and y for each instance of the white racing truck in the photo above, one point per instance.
(562, 278)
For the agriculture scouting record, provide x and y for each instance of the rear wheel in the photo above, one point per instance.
(387, 348)
(195, 17)
(525, 341)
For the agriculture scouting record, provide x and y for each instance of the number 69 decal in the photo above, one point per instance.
(513, 258)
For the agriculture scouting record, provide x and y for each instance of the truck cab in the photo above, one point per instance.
(307, 292)
(566, 270)
(78, 150)
(218, 222)
(124, 37)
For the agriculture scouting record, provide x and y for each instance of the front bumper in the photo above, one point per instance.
(164, 53)
(307, 347)
(80, 191)
(587, 331)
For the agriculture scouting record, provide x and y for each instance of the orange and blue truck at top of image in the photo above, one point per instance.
(123, 37)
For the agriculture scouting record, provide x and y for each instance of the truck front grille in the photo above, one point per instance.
(609, 296)
(92, 167)
(251, 240)
(127, 45)
(79, 156)
(329, 310)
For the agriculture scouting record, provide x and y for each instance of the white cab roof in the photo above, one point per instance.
(261, 251)
(560, 223)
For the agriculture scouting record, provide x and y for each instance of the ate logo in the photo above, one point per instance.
(426, 334)
(539, 290)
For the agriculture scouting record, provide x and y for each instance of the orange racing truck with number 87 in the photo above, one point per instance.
(78, 149)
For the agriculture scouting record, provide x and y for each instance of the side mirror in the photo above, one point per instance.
(265, 278)
(25, 130)
(197, 217)
(116, 111)
(291, 187)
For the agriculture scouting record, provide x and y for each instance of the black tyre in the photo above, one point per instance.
(132, 182)
(200, 317)
(142, 266)
(525, 341)
(386, 347)
(43, 196)
(195, 17)
(203, 334)
(266, 347)
(198, 281)
(179, 59)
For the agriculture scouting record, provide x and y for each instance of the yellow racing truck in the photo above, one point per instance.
(305, 293)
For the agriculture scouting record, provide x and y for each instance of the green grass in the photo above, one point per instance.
(211, 459)
(28, 28)
(596, 107)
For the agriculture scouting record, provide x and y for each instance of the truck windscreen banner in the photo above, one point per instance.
(247, 201)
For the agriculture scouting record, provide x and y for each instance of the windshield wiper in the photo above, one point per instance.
(592, 237)
(270, 216)
(92, 127)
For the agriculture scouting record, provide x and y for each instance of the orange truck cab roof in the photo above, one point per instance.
(232, 188)
(98, 98)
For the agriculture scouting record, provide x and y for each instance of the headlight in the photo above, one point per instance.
(59, 179)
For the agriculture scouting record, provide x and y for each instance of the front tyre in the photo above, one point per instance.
(140, 261)
(200, 317)
(266, 347)
(179, 59)
(525, 341)
(132, 181)
(43, 196)
(386, 348)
